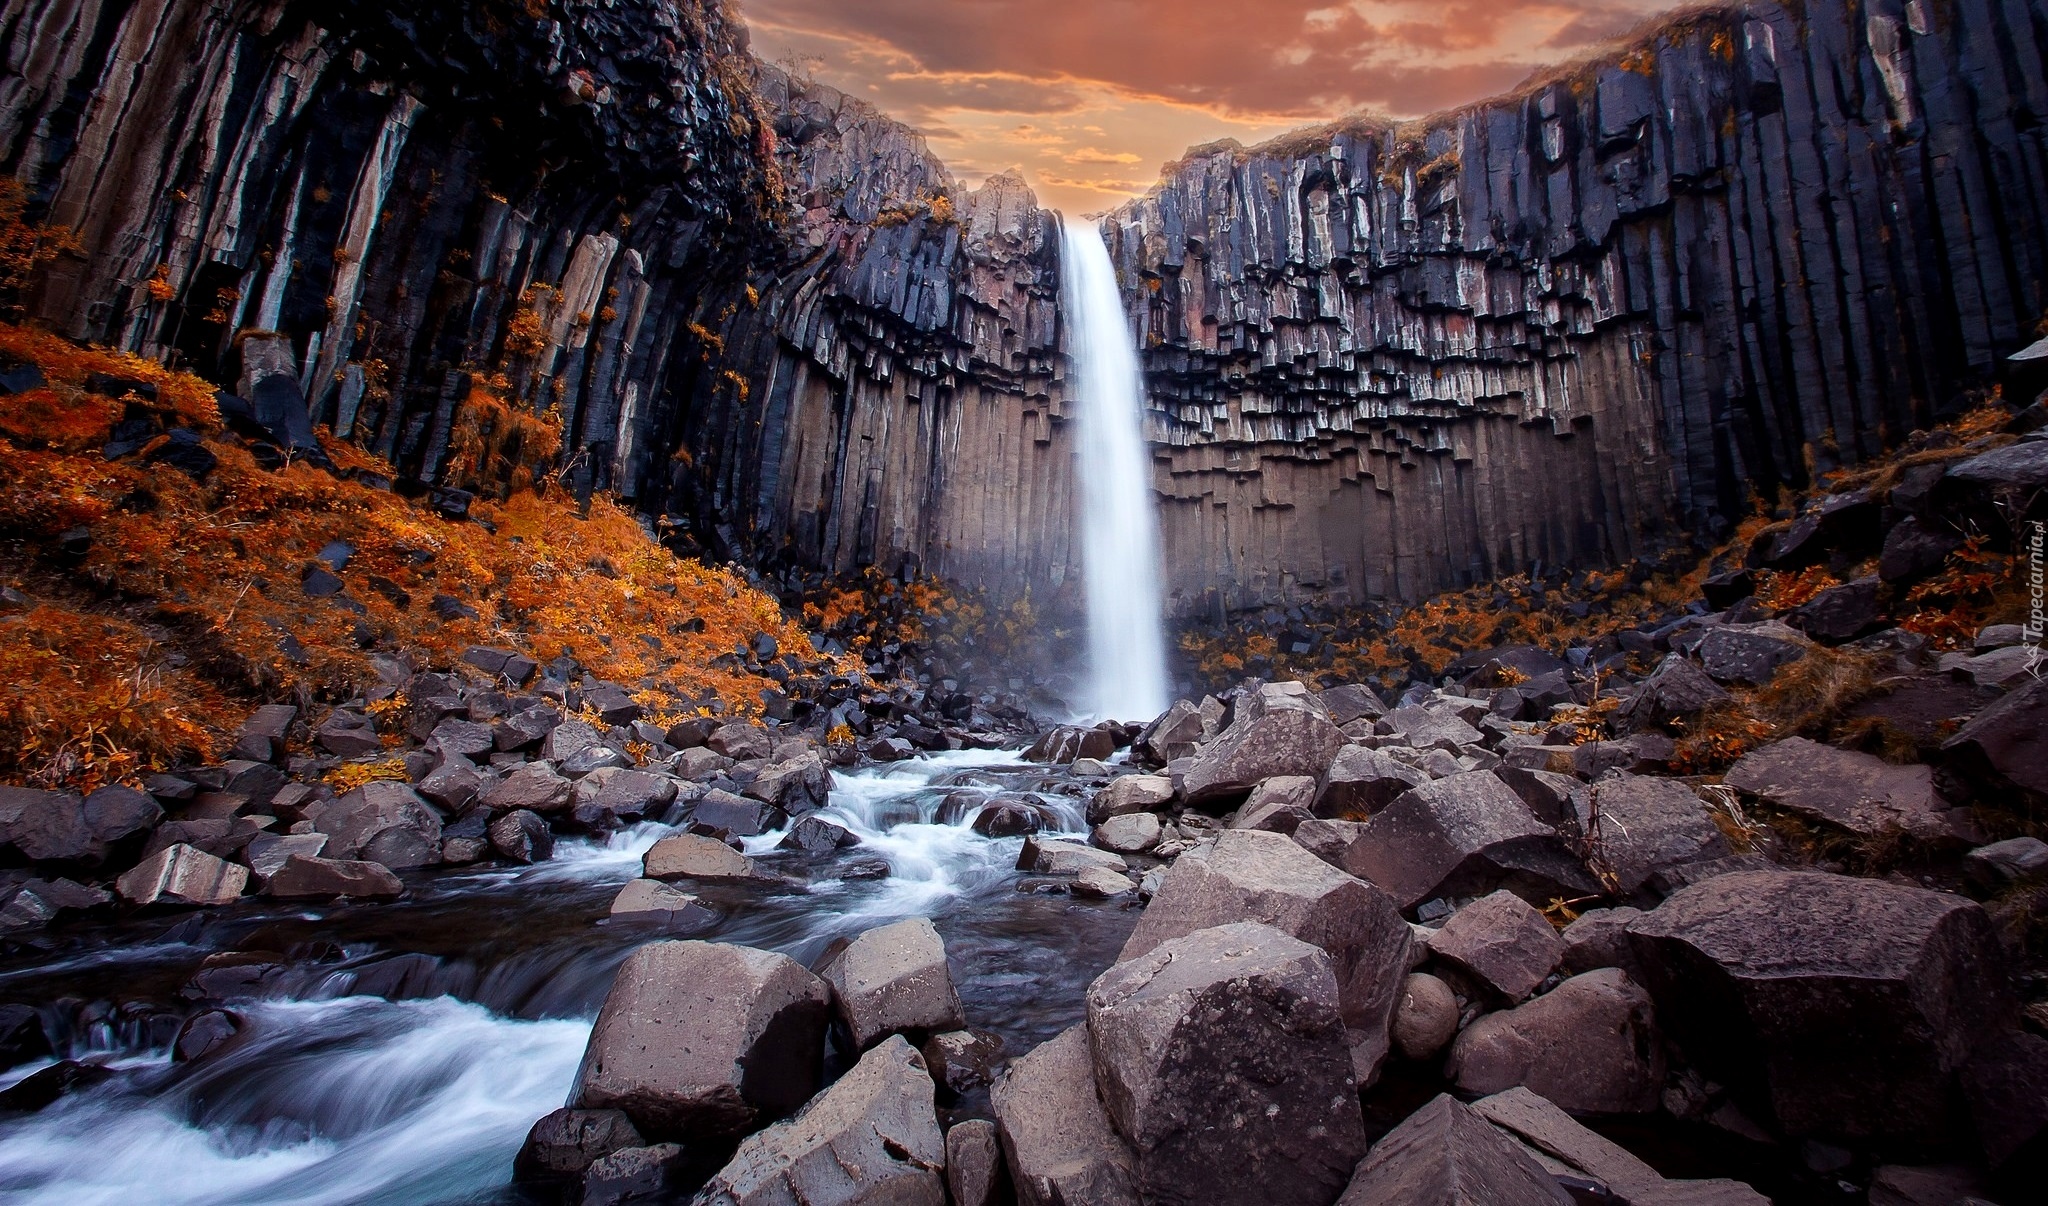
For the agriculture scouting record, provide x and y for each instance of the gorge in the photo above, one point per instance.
(582, 621)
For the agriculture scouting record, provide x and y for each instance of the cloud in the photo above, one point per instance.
(1096, 155)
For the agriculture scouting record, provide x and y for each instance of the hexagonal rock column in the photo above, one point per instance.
(871, 1137)
(1446, 1155)
(706, 1040)
(1843, 1006)
(1591, 1045)
(1223, 1060)
(894, 980)
(1252, 875)
(1057, 1139)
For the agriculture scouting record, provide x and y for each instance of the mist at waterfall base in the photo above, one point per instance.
(400, 1052)
(1119, 527)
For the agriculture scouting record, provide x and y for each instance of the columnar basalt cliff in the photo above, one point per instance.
(1561, 326)
(419, 199)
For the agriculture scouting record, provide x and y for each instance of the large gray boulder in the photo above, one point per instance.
(1270, 742)
(894, 980)
(1223, 1061)
(1175, 734)
(1429, 728)
(182, 875)
(1541, 1126)
(1127, 794)
(1251, 875)
(1464, 836)
(1638, 825)
(44, 826)
(302, 877)
(1591, 1045)
(800, 785)
(1857, 792)
(1362, 781)
(1499, 944)
(974, 1164)
(2001, 747)
(872, 1137)
(705, 1040)
(1840, 1006)
(1446, 1155)
(533, 786)
(693, 856)
(1058, 1141)
(355, 821)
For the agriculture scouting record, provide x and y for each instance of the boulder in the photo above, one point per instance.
(1223, 1061)
(893, 980)
(1591, 1045)
(740, 742)
(1279, 741)
(799, 785)
(182, 875)
(1853, 791)
(705, 1040)
(45, 826)
(1067, 743)
(962, 1060)
(654, 1173)
(1676, 691)
(1547, 793)
(2000, 864)
(1058, 1141)
(1101, 883)
(452, 786)
(1134, 833)
(522, 837)
(2001, 746)
(654, 901)
(692, 856)
(974, 1164)
(114, 814)
(1425, 1018)
(603, 799)
(1001, 817)
(816, 835)
(1638, 825)
(1936, 1185)
(1445, 1155)
(1841, 613)
(1463, 836)
(724, 814)
(1500, 944)
(1747, 657)
(1915, 548)
(1840, 1006)
(1277, 804)
(1352, 701)
(302, 877)
(348, 735)
(1552, 1133)
(1053, 856)
(1362, 781)
(2006, 1088)
(1429, 728)
(1175, 734)
(1127, 794)
(872, 1137)
(353, 821)
(1250, 875)
(1599, 938)
(566, 1142)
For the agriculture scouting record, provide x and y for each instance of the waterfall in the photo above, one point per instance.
(1119, 532)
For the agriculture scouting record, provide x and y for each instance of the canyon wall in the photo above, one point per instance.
(1560, 326)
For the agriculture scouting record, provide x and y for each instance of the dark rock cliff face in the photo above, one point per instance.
(1559, 326)
(417, 196)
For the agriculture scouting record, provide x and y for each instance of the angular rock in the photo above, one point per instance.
(962, 1060)
(1067, 743)
(1599, 938)
(1362, 781)
(1639, 825)
(566, 1142)
(1464, 836)
(1134, 833)
(1841, 1006)
(2001, 746)
(816, 835)
(113, 814)
(1127, 794)
(1052, 856)
(894, 980)
(1223, 1061)
(45, 826)
(532, 786)
(654, 901)
(2005, 1085)
(1446, 1155)
(267, 853)
(2002, 863)
(1425, 1018)
(182, 875)
(692, 856)
(872, 1137)
(569, 738)
(1429, 729)
(1282, 741)
(1175, 734)
(1001, 817)
(1841, 613)
(1939, 1185)
(1352, 701)
(1058, 1142)
(1553, 1133)
(740, 742)
(1591, 1045)
(634, 1175)
(974, 1164)
(1501, 944)
(348, 735)
(522, 837)
(1746, 656)
(452, 786)
(302, 877)
(353, 821)
(1278, 805)
(797, 786)
(1864, 795)
(1676, 691)
(1249, 875)
(705, 1040)
(1100, 883)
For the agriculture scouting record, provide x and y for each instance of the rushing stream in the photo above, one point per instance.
(399, 1052)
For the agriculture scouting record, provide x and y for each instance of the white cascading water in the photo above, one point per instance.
(1119, 529)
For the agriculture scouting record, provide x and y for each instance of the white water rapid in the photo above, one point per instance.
(1119, 529)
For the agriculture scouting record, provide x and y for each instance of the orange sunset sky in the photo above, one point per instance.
(1090, 97)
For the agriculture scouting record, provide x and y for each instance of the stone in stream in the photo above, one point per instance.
(974, 1164)
(1591, 1045)
(893, 980)
(566, 1142)
(1543, 1127)
(1841, 1006)
(1224, 1062)
(1007, 818)
(634, 1175)
(961, 1060)
(533, 786)
(1425, 1018)
(1856, 792)
(693, 856)
(522, 837)
(872, 1137)
(182, 875)
(705, 1040)
(1279, 804)
(203, 1034)
(602, 800)
(1640, 825)
(1101, 883)
(302, 878)
(653, 901)
(797, 786)
(1128, 794)
(1133, 833)
(1501, 944)
(1277, 741)
(1067, 742)
(1463, 836)
(816, 835)
(1446, 1155)
(1058, 1142)
(1362, 781)
(1251, 875)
